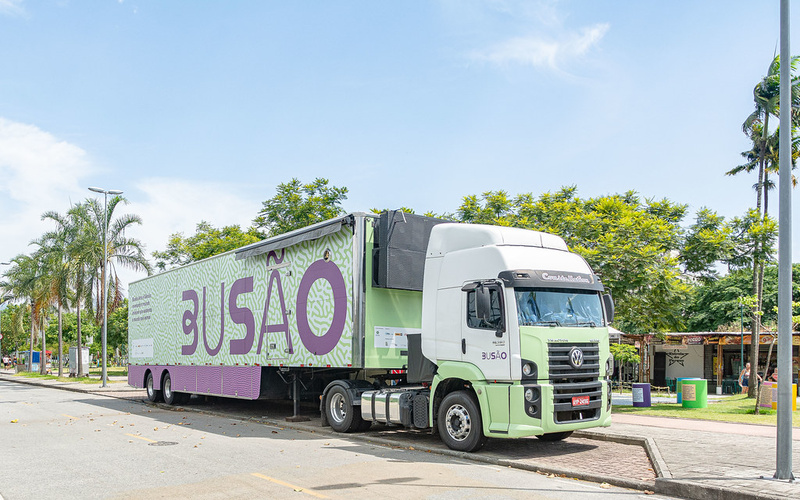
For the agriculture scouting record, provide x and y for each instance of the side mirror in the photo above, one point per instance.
(608, 302)
(483, 303)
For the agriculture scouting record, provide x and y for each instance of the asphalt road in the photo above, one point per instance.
(60, 444)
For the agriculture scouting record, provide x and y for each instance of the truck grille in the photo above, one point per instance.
(575, 380)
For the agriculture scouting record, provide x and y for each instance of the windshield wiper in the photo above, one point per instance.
(547, 323)
(586, 323)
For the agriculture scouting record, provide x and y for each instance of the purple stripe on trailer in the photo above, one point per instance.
(237, 381)
(209, 380)
(184, 378)
(136, 375)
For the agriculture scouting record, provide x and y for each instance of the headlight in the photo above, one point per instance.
(527, 369)
(529, 395)
(610, 366)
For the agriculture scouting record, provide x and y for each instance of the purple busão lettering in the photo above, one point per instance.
(328, 271)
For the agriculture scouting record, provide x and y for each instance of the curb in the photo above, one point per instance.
(693, 491)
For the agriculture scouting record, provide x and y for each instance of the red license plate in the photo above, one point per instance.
(580, 401)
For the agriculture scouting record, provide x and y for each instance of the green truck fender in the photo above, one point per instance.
(452, 376)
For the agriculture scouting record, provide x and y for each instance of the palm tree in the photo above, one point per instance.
(25, 280)
(766, 95)
(122, 251)
(74, 243)
(57, 247)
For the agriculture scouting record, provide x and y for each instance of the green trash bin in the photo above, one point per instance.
(679, 386)
(695, 393)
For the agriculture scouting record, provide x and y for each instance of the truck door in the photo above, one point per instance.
(484, 336)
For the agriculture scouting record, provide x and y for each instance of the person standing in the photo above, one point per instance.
(744, 377)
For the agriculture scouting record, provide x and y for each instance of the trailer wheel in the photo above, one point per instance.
(342, 415)
(459, 423)
(170, 396)
(153, 394)
(555, 436)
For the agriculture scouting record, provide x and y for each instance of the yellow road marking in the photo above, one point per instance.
(140, 437)
(69, 416)
(288, 485)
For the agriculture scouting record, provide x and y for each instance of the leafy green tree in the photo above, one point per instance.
(494, 207)
(117, 339)
(707, 242)
(716, 305)
(624, 353)
(629, 241)
(206, 241)
(13, 321)
(297, 205)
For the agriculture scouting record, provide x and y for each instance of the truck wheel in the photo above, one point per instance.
(170, 396)
(555, 436)
(342, 415)
(459, 423)
(153, 394)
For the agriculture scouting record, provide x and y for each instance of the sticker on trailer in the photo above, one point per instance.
(142, 348)
(388, 337)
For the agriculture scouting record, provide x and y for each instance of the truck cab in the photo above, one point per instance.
(519, 326)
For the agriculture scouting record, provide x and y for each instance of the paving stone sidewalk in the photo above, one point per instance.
(677, 457)
(712, 460)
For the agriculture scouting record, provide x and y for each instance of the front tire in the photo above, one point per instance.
(459, 422)
(555, 436)
(153, 394)
(342, 415)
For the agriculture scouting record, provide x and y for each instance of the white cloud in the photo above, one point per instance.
(35, 165)
(38, 172)
(11, 7)
(175, 205)
(539, 52)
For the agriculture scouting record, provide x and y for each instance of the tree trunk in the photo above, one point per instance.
(79, 351)
(766, 367)
(60, 342)
(755, 330)
(43, 356)
(30, 352)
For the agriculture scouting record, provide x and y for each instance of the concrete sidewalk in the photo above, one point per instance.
(677, 457)
(707, 459)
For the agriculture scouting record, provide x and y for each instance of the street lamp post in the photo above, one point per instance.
(105, 192)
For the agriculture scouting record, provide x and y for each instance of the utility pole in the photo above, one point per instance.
(785, 396)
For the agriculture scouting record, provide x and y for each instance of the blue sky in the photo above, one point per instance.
(198, 110)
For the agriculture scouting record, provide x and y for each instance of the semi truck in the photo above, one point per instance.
(469, 331)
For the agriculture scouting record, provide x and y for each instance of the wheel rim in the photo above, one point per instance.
(338, 408)
(458, 422)
(167, 388)
(150, 386)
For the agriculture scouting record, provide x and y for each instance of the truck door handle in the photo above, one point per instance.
(463, 346)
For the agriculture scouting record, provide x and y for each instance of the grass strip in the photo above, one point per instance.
(737, 409)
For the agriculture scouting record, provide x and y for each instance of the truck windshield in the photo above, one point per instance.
(558, 307)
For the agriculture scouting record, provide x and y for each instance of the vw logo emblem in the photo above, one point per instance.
(576, 357)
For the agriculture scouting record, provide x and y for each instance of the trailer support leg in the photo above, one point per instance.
(296, 402)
